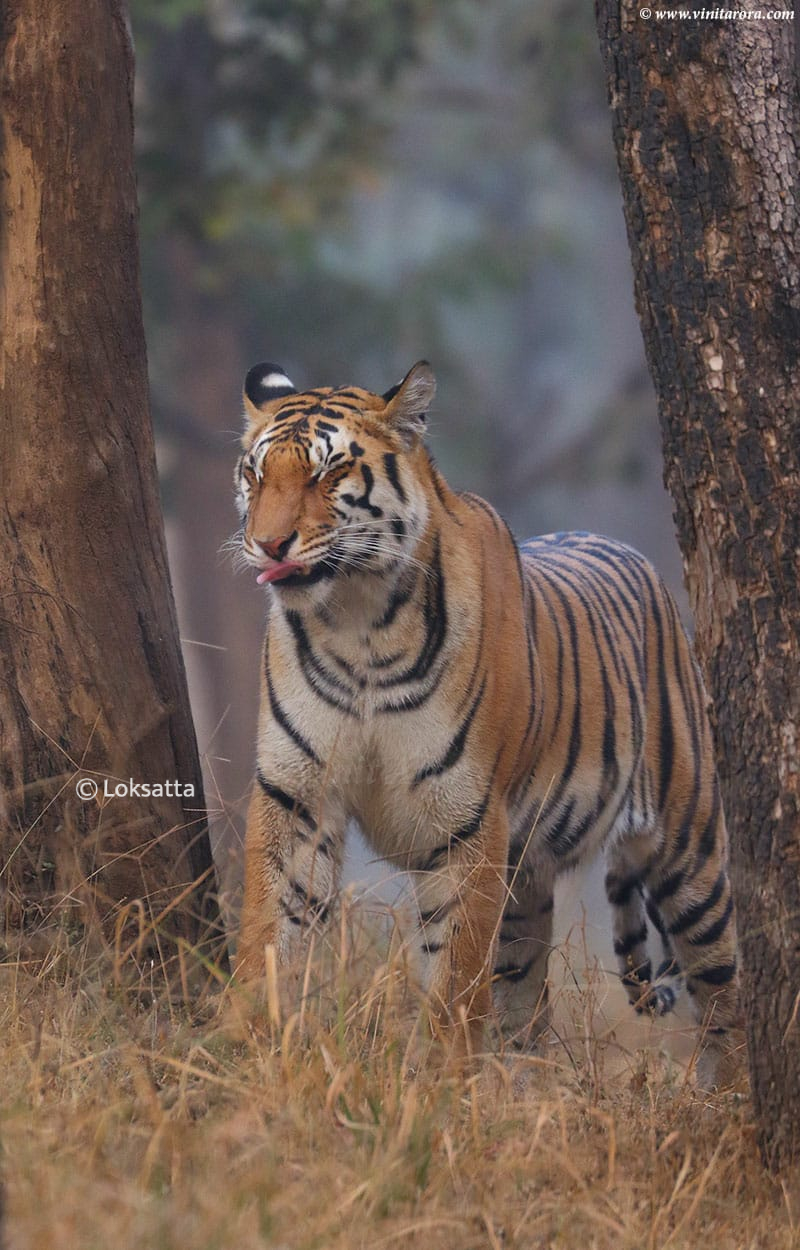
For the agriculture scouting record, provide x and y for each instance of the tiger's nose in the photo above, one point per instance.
(275, 548)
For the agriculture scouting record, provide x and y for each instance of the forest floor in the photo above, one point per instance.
(130, 1121)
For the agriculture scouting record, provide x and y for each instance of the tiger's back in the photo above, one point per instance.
(490, 715)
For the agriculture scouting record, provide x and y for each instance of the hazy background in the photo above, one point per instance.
(343, 187)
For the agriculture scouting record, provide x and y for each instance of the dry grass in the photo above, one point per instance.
(131, 1122)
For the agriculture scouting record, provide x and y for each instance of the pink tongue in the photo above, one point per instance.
(277, 571)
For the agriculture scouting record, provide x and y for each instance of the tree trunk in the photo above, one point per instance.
(93, 683)
(208, 355)
(705, 118)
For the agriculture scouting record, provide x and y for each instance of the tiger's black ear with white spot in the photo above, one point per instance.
(264, 384)
(408, 402)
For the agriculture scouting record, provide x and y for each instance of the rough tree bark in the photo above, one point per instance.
(705, 118)
(91, 675)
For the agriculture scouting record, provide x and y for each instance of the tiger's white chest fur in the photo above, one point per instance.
(367, 746)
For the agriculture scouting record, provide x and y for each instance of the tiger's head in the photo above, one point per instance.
(326, 484)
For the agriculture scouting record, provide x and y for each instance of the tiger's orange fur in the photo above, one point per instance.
(490, 715)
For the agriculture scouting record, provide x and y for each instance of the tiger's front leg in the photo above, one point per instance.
(460, 893)
(291, 875)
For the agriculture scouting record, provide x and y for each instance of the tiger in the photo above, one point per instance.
(491, 715)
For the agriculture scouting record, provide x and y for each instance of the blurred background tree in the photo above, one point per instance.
(345, 186)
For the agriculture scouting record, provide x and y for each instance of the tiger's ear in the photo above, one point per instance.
(263, 386)
(408, 402)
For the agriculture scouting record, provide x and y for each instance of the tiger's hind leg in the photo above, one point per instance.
(688, 885)
(669, 981)
(630, 908)
(525, 941)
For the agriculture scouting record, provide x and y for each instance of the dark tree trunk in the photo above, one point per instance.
(91, 676)
(705, 118)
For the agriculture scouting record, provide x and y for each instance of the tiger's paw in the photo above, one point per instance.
(656, 997)
(656, 1000)
(722, 1062)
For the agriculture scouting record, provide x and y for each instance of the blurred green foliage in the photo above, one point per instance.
(260, 109)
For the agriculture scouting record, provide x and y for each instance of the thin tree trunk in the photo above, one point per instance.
(92, 680)
(705, 118)
(208, 356)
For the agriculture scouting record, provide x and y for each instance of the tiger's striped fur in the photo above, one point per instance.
(491, 715)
